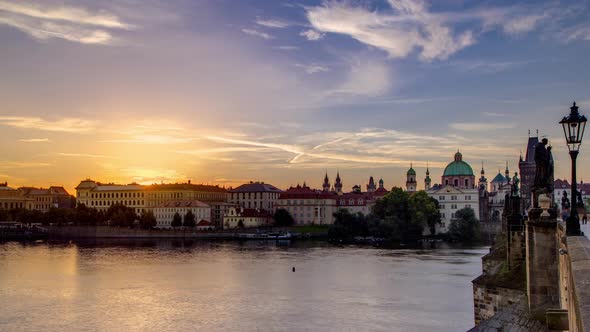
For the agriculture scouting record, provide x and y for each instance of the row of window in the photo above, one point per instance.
(117, 195)
(109, 203)
(456, 182)
(454, 198)
(257, 195)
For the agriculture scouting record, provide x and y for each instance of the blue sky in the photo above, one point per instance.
(231, 91)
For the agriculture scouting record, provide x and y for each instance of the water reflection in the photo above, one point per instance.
(170, 285)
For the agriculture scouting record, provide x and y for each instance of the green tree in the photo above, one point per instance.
(347, 225)
(189, 220)
(176, 220)
(147, 220)
(393, 214)
(423, 211)
(119, 215)
(465, 226)
(283, 218)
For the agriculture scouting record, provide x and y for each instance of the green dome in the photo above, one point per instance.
(411, 171)
(458, 167)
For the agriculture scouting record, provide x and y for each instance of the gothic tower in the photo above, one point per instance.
(411, 180)
(326, 185)
(483, 181)
(371, 186)
(338, 184)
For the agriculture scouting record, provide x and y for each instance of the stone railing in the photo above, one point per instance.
(574, 275)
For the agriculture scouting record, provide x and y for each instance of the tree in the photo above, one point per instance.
(176, 220)
(147, 220)
(121, 215)
(189, 220)
(241, 224)
(347, 226)
(465, 226)
(283, 218)
(423, 211)
(393, 214)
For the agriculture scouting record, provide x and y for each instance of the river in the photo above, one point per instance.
(231, 286)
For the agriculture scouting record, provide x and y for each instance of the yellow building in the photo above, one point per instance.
(11, 198)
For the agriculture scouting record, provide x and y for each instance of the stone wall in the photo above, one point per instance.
(574, 272)
(516, 248)
(513, 318)
(488, 300)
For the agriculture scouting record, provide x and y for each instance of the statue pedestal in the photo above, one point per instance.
(541, 260)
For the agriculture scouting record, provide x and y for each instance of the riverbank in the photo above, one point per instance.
(106, 232)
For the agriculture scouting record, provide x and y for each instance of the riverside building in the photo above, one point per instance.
(255, 195)
(165, 212)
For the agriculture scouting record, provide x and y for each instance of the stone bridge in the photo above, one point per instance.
(535, 278)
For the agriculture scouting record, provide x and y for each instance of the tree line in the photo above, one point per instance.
(117, 215)
(401, 217)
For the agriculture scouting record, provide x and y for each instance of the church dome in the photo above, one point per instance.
(411, 171)
(458, 167)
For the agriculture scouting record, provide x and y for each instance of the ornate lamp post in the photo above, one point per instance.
(573, 129)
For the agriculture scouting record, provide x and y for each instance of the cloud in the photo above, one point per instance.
(256, 33)
(286, 48)
(522, 24)
(312, 34)
(152, 133)
(21, 164)
(86, 155)
(59, 21)
(480, 126)
(34, 140)
(365, 78)
(578, 32)
(69, 125)
(312, 69)
(272, 23)
(487, 66)
(409, 25)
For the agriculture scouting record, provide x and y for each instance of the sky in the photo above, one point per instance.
(224, 92)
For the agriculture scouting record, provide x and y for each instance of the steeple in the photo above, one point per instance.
(371, 186)
(411, 179)
(326, 185)
(483, 181)
(338, 184)
(381, 183)
(427, 180)
(507, 173)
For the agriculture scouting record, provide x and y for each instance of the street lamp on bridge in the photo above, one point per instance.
(573, 129)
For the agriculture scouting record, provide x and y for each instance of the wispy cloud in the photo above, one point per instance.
(69, 125)
(407, 26)
(23, 164)
(312, 68)
(48, 21)
(86, 155)
(312, 34)
(256, 33)
(34, 140)
(487, 66)
(287, 48)
(481, 126)
(272, 23)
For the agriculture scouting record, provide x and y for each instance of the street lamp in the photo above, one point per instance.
(573, 129)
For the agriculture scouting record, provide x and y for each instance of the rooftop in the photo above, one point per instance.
(256, 187)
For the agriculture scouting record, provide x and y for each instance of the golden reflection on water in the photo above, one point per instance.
(212, 286)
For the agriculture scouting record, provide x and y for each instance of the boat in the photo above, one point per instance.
(265, 236)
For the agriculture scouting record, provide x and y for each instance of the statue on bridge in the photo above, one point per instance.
(543, 171)
(515, 185)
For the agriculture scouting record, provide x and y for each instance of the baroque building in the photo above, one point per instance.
(255, 195)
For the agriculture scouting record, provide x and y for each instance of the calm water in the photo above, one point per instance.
(221, 286)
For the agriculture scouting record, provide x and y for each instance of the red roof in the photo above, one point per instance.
(203, 222)
(305, 192)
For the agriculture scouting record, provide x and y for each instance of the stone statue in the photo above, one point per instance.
(515, 185)
(565, 202)
(543, 165)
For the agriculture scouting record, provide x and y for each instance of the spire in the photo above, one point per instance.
(381, 183)
(427, 170)
(507, 172)
(482, 171)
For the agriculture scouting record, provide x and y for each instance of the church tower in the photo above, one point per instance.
(411, 180)
(507, 173)
(483, 181)
(381, 183)
(371, 186)
(427, 180)
(338, 184)
(326, 185)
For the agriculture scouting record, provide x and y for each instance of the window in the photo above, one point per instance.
(453, 198)
(452, 215)
(456, 182)
(446, 181)
(467, 205)
(441, 198)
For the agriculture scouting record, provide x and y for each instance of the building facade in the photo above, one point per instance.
(143, 198)
(308, 206)
(11, 198)
(46, 199)
(238, 217)
(165, 212)
(255, 195)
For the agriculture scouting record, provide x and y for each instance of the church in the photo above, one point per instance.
(457, 190)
